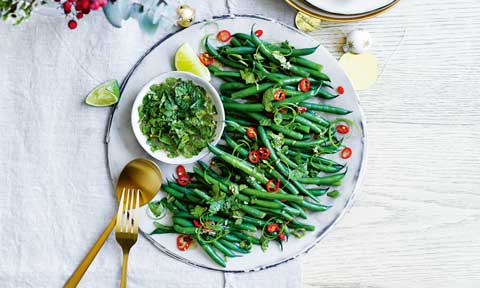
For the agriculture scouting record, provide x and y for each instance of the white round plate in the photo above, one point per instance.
(161, 154)
(349, 7)
(123, 147)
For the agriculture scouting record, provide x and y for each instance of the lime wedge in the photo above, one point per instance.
(105, 94)
(186, 60)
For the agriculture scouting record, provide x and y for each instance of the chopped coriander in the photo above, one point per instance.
(177, 116)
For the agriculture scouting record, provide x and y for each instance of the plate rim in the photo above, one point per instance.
(324, 232)
(391, 2)
(357, 17)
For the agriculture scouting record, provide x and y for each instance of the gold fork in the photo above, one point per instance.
(126, 231)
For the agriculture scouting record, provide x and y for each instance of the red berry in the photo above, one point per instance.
(102, 2)
(72, 24)
(72, 1)
(94, 5)
(282, 237)
(67, 7)
(340, 90)
(79, 15)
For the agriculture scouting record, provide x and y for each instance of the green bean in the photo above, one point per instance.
(169, 205)
(302, 120)
(232, 86)
(214, 69)
(251, 90)
(184, 230)
(239, 164)
(287, 160)
(161, 229)
(245, 227)
(300, 71)
(180, 205)
(220, 247)
(297, 224)
(252, 211)
(326, 108)
(232, 238)
(213, 52)
(282, 129)
(301, 128)
(314, 206)
(285, 51)
(223, 73)
(173, 192)
(271, 196)
(241, 50)
(236, 126)
(327, 180)
(300, 210)
(305, 144)
(311, 72)
(306, 63)
(233, 247)
(255, 221)
(263, 203)
(251, 107)
(242, 122)
(326, 168)
(279, 213)
(182, 222)
(296, 99)
(247, 237)
(201, 194)
(318, 191)
(235, 42)
(316, 118)
(210, 252)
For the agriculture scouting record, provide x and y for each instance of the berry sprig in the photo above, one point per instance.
(76, 9)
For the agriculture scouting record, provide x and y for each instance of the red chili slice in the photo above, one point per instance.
(282, 110)
(184, 242)
(279, 95)
(282, 237)
(340, 90)
(304, 85)
(253, 157)
(346, 153)
(264, 153)
(251, 132)
(343, 129)
(301, 109)
(206, 59)
(273, 185)
(224, 36)
(196, 223)
(181, 171)
(184, 180)
(271, 228)
(259, 33)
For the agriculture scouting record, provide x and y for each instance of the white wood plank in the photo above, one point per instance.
(417, 221)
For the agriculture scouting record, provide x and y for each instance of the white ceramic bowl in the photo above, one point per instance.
(160, 154)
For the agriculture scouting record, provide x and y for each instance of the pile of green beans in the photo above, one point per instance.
(297, 142)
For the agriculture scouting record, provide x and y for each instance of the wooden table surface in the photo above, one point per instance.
(416, 222)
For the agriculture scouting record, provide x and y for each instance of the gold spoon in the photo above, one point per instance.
(139, 174)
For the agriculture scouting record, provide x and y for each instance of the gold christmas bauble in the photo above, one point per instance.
(186, 15)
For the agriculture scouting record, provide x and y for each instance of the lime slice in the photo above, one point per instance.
(105, 94)
(186, 60)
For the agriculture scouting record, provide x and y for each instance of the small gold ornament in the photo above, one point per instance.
(307, 23)
(186, 15)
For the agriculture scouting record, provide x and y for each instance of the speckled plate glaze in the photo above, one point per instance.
(122, 145)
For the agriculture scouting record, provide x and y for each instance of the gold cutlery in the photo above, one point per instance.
(126, 231)
(141, 174)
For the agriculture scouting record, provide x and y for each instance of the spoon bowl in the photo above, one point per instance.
(140, 174)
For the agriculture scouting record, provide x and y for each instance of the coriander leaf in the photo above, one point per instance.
(198, 211)
(248, 76)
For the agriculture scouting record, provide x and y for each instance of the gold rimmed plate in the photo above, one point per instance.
(305, 7)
